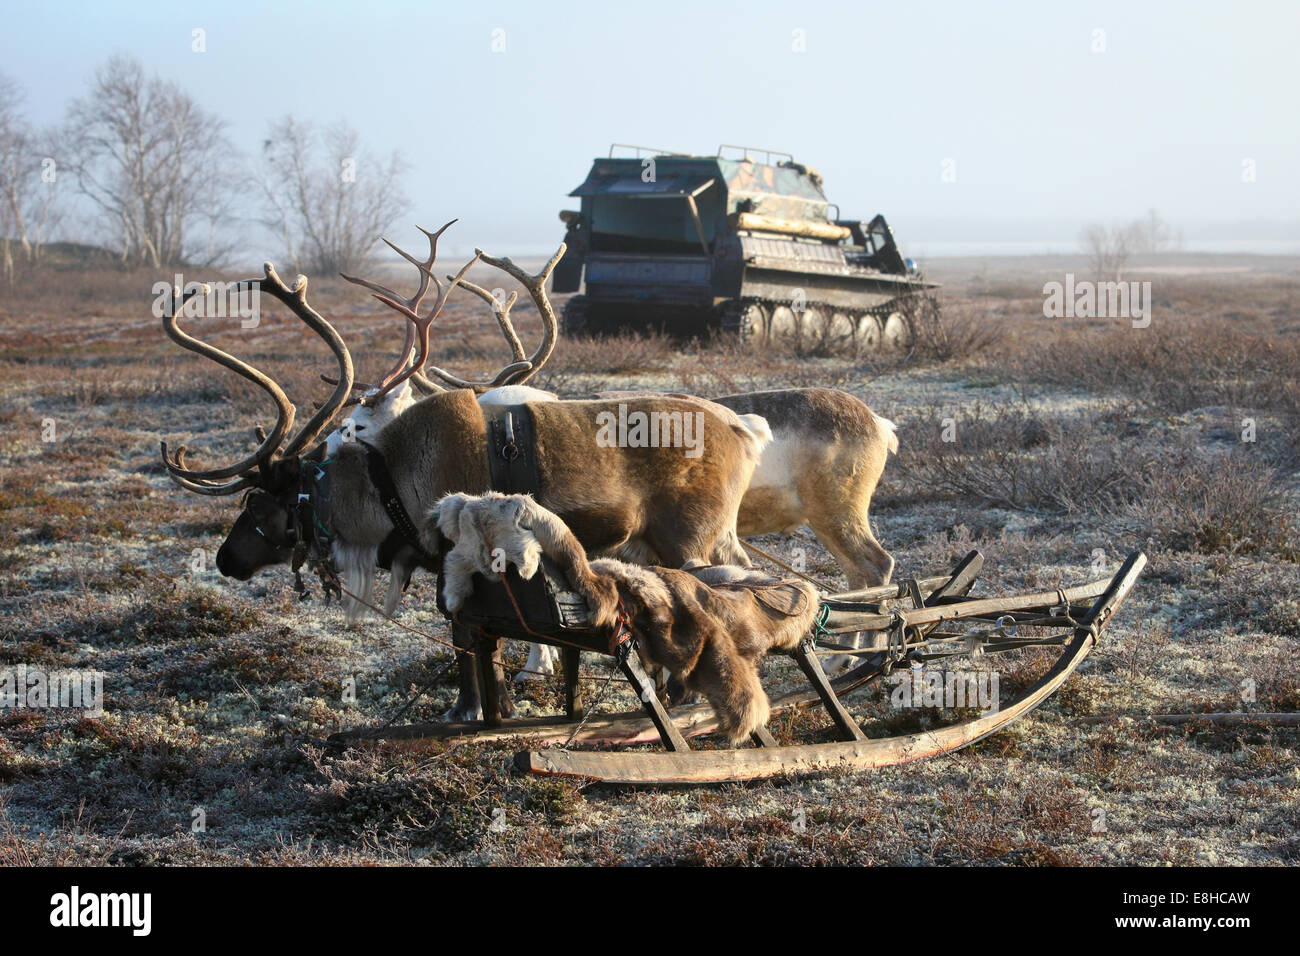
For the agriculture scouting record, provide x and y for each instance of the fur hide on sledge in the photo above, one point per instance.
(709, 625)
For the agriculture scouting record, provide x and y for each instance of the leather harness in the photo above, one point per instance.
(512, 463)
(389, 497)
(512, 449)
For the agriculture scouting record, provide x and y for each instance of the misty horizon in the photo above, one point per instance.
(1070, 118)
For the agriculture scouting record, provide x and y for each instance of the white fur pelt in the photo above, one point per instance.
(488, 536)
(493, 531)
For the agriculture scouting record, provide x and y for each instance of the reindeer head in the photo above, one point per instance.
(270, 474)
(266, 532)
(279, 509)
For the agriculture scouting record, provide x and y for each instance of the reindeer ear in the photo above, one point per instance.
(448, 513)
(518, 506)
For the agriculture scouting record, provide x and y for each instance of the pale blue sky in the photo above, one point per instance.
(1044, 132)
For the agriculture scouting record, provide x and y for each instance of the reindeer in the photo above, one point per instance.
(827, 453)
(640, 503)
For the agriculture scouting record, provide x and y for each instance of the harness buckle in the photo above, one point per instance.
(509, 447)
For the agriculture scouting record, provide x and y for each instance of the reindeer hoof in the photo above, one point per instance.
(837, 664)
(528, 675)
(461, 714)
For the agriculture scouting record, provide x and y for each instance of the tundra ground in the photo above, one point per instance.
(1055, 446)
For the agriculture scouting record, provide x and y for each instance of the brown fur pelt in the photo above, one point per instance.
(709, 625)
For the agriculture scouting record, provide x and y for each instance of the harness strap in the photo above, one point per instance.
(512, 458)
(622, 632)
(382, 479)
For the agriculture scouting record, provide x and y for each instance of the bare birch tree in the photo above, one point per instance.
(27, 181)
(152, 161)
(1109, 249)
(327, 200)
(1152, 233)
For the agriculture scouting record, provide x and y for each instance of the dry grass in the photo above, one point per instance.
(1071, 438)
(945, 328)
(1165, 487)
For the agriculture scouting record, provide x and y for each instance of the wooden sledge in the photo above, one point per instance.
(919, 622)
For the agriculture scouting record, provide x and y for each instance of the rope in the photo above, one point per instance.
(446, 643)
(819, 625)
(590, 709)
(777, 561)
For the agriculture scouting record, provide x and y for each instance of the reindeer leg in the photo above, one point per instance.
(504, 703)
(540, 663)
(492, 680)
(467, 708)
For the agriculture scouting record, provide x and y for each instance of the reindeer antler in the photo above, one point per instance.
(205, 481)
(524, 366)
(417, 332)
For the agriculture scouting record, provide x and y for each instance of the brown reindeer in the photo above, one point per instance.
(638, 501)
(827, 453)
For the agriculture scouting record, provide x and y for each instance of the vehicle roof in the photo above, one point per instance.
(680, 176)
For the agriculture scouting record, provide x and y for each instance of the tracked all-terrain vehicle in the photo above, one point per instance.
(684, 243)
